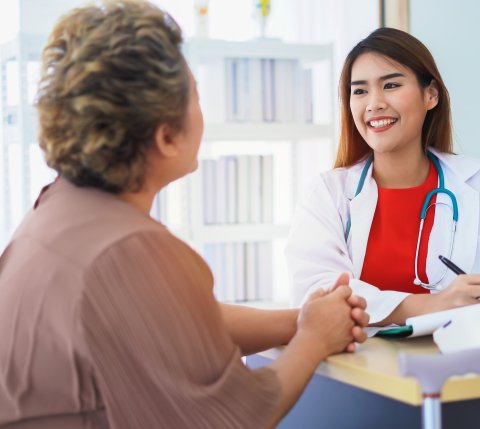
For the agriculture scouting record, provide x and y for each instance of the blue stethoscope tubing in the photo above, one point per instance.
(426, 205)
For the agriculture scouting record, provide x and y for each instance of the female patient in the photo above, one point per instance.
(106, 319)
(394, 166)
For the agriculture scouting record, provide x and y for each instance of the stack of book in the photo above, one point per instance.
(237, 189)
(170, 206)
(242, 271)
(255, 90)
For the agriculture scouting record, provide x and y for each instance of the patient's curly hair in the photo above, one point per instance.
(111, 73)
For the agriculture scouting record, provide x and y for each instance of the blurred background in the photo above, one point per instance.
(449, 29)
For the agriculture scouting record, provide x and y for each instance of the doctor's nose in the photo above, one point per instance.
(375, 102)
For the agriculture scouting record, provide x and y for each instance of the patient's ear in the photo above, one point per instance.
(165, 141)
(431, 94)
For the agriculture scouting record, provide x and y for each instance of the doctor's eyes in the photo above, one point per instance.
(387, 85)
(358, 91)
(391, 85)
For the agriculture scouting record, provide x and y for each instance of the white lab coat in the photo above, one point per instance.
(317, 252)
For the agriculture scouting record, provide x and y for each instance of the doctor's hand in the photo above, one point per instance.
(464, 290)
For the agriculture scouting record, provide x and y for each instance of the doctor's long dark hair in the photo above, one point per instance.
(404, 49)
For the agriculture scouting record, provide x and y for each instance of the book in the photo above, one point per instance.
(239, 268)
(255, 191)
(221, 190)
(159, 206)
(229, 270)
(231, 80)
(243, 186)
(268, 86)
(241, 90)
(219, 272)
(321, 90)
(305, 99)
(212, 88)
(264, 271)
(254, 92)
(208, 189)
(231, 189)
(267, 189)
(175, 213)
(284, 90)
(251, 271)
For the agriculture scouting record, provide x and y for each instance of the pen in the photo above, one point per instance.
(451, 265)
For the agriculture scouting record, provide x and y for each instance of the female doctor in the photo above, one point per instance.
(394, 165)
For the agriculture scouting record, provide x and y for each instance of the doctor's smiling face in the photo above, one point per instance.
(388, 104)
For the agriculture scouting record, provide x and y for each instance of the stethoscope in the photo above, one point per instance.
(426, 205)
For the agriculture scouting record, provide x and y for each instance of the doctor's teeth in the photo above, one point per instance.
(382, 122)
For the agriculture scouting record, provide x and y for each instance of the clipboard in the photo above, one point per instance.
(396, 332)
(426, 324)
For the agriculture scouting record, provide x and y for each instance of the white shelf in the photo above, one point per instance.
(252, 255)
(257, 48)
(238, 233)
(266, 131)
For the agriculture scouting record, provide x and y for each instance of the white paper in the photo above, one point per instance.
(462, 334)
(427, 323)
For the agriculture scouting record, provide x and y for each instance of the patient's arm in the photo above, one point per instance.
(254, 330)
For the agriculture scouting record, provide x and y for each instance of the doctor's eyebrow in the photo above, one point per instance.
(382, 78)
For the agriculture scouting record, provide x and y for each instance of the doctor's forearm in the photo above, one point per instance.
(412, 305)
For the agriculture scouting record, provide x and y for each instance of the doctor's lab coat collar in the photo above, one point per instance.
(462, 167)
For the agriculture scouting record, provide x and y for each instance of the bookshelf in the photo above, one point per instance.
(22, 169)
(268, 109)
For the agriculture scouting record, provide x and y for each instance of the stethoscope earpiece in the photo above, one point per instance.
(417, 281)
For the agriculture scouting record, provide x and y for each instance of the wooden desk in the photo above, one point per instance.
(366, 386)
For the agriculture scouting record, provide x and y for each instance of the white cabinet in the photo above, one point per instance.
(268, 109)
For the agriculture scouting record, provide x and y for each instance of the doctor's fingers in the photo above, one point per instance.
(458, 295)
(360, 317)
(464, 285)
(467, 279)
(471, 291)
(473, 279)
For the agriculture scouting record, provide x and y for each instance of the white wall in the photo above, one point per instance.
(451, 30)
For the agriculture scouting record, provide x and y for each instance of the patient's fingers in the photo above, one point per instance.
(343, 279)
(351, 348)
(318, 294)
(357, 301)
(359, 334)
(360, 317)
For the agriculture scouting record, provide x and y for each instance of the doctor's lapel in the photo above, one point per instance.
(362, 210)
(466, 236)
(466, 240)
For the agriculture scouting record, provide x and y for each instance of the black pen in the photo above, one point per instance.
(451, 265)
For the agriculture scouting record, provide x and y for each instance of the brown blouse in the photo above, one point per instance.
(109, 321)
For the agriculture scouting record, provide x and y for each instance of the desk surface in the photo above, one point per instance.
(374, 367)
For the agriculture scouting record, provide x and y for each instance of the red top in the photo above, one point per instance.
(390, 256)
